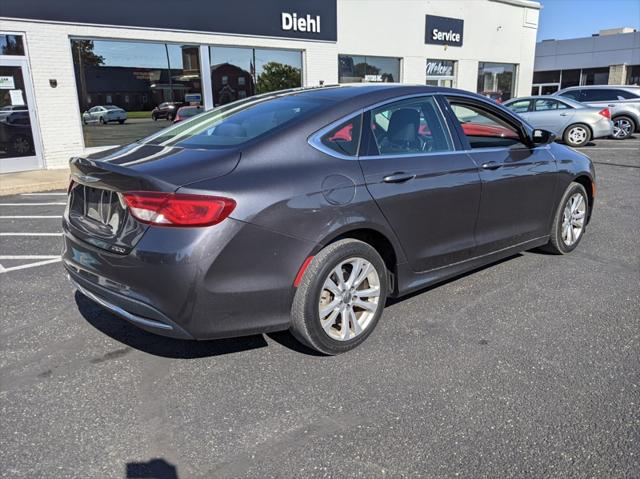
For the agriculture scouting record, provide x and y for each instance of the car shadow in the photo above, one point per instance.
(128, 334)
(392, 301)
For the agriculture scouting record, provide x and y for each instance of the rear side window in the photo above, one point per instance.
(519, 106)
(626, 95)
(236, 123)
(408, 126)
(597, 94)
(345, 137)
(485, 129)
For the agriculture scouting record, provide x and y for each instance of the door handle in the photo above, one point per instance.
(398, 177)
(563, 114)
(491, 165)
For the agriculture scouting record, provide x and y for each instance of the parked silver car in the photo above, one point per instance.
(104, 114)
(622, 100)
(570, 120)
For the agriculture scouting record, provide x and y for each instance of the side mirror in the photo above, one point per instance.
(542, 137)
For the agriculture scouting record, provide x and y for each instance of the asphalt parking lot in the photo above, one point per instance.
(96, 134)
(527, 368)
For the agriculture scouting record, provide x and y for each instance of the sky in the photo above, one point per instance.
(561, 19)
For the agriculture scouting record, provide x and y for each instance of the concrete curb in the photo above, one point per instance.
(33, 181)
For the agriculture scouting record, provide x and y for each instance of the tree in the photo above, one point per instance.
(83, 53)
(278, 76)
(83, 56)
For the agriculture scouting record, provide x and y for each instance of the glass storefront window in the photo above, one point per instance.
(238, 72)
(128, 90)
(633, 75)
(570, 78)
(441, 73)
(11, 45)
(552, 76)
(496, 80)
(358, 69)
(595, 76)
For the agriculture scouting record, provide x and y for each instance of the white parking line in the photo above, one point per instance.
(29, 265)
(32, 204)
(30, 234)
(29, 256)
(43, 194)
(22, 217)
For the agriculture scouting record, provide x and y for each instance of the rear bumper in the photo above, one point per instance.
(142, 315)
(229, 280)
(602, 128)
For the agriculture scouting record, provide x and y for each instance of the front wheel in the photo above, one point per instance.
(577, 135)
(103, 121)
(569, 221)
(623, 127)
(340, 298)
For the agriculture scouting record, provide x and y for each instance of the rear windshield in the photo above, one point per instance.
(236, 123)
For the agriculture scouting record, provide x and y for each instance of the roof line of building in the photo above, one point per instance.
(521, 3)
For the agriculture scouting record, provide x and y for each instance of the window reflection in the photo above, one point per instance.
(11, 45)
(358, 69)
(238, 73)
(496, 80)
(145, 82)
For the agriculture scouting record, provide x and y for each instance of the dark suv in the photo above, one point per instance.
(166, 110)
(623, 102)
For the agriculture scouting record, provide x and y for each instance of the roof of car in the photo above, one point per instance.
(634, 87)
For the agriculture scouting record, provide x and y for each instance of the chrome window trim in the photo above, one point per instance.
(315, 139)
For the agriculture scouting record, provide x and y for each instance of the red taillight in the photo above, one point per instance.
(175, 209)
(606, 113)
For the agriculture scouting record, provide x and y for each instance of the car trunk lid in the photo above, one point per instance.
(96, 211)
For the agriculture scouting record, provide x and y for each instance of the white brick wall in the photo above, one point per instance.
(493, 31)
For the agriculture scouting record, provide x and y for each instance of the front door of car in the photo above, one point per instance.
(428, 192)
(94, 113)
(518, 180)
(550, 114)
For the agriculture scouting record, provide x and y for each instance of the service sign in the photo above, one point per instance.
(444, 31)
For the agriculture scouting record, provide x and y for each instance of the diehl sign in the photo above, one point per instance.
(444, 31)
(269, 18)
(291, 21)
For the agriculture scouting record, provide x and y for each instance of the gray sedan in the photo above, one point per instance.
(574, 122)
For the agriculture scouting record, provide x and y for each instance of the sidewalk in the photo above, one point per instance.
(33, 181)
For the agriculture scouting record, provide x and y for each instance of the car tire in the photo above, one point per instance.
(121, 121)
(623, 127)
(320, 286)
(573, 209)
(577, 135)
(154, 117)
(102, 121)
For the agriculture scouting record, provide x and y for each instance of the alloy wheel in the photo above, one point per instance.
(349, 299)
(573, 219)
(621, 128)
(577, 135)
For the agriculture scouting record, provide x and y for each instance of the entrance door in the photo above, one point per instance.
(19, 140)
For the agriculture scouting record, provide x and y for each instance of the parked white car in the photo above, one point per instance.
(573, 122)
(104, 114)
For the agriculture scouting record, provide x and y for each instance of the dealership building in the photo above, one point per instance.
(609, 57)
(64, 64)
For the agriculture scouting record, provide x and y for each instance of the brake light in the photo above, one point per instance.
(176, 209)
(606, 113)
